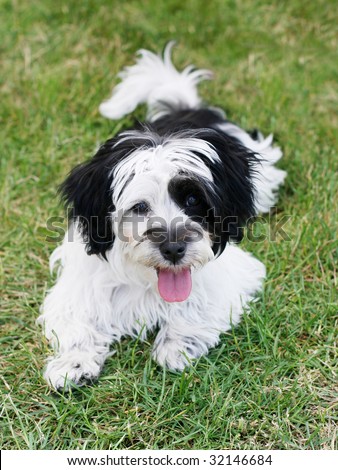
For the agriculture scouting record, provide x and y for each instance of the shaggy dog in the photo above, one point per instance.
(155, 217)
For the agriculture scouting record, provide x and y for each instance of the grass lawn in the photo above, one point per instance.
(272, 382)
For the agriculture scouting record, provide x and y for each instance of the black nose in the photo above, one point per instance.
(173, 251)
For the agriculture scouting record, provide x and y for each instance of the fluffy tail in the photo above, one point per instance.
(155, 81)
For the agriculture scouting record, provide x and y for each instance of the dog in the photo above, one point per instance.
(156, 217)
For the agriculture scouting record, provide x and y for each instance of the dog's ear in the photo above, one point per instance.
(87, 192)
(232, 198)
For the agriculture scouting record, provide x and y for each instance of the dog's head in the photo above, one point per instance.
(168, 202)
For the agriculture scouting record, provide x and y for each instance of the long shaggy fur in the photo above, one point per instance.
(191, 179)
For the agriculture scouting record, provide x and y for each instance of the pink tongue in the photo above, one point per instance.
(174, 287)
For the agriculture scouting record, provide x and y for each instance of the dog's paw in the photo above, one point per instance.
(175, 354)
(76, 367)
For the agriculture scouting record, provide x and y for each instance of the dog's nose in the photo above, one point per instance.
(173, 251)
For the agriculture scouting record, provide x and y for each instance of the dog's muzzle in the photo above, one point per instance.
(174, 285)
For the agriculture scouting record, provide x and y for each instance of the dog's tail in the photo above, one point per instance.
(154, 80)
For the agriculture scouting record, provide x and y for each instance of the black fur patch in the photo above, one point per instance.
(232, 198)
(229, 202)
(87, 190)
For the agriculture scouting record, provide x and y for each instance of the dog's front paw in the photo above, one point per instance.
(76, 367)
(175, 354)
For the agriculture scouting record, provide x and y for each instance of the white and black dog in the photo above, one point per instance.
(156, 214)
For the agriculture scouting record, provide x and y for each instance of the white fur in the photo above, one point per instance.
(164, 159)
(149, 81)
(96, 302)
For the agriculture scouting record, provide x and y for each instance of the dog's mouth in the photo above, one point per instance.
(174, 286)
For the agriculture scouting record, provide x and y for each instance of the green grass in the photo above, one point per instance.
(272, 382)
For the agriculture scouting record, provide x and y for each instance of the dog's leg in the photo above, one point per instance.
(76, 316)
(179, 342)
(232, 281)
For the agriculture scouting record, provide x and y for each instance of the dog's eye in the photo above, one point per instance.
(192, 200)
(141, 208)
